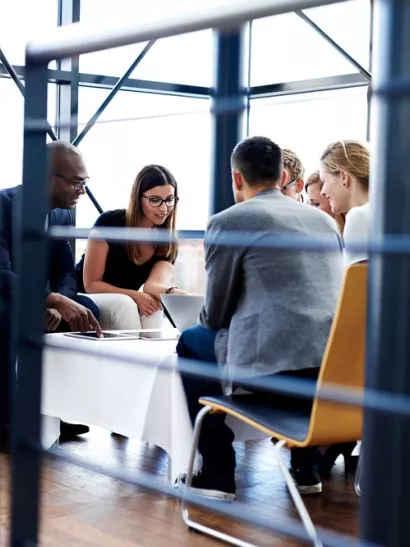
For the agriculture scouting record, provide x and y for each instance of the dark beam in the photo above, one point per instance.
(67, 103)
(335, 45)
(384, 508)
(112, 94)
(31, 281)
(228, 107)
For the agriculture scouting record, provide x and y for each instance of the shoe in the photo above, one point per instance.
(210, 487)
(307, 481)
(69, 431)
(330, 456)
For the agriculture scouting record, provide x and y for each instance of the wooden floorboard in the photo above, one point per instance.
(80, 508)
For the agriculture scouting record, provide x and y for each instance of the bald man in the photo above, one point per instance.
(65, 310)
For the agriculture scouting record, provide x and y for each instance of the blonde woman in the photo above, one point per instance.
(313, 187)
(344, 171)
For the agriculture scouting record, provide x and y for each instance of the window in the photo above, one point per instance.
(308, 123)
(348, 24)
(23, 20)
(181, 59)
(285, 48)
(11, 135)
(138, 129)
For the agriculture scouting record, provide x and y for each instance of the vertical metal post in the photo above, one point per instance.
(229, 108)
(67, 94)
(29, 314)
(386, 471)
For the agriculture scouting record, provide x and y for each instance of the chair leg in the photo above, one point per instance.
(193, 525)
(297, 498)
(358, 474)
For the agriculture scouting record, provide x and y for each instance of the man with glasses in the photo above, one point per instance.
(65, 310)
(293, 183)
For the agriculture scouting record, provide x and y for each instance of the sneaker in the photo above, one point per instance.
(307, 481)
(210, 487)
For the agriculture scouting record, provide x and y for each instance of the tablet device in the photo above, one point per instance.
(106, 336)
(154, 334)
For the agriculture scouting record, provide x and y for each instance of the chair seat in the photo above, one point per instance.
(292, 423)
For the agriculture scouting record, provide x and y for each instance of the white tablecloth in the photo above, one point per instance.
(146, 402)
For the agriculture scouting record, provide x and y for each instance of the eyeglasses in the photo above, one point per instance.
(285, 188)
(77, 184)
(155, 201)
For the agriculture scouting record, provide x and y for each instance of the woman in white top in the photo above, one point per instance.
(344, 171)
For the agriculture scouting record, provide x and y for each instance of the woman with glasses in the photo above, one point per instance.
(113, 273)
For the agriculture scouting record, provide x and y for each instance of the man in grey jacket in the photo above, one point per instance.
(267, 311)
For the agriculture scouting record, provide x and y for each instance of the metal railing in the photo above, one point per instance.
(389, 277)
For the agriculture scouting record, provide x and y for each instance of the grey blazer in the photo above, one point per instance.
(272, 308)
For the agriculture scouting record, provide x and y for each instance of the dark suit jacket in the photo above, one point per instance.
(61, 275)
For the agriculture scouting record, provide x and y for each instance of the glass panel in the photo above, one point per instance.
(182, 59)
(23, 20)
(11, 134)
(286, 49)
(308, 123)
(348, 24)
(138, 129)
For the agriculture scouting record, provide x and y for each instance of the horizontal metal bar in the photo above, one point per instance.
(308, 86)
(334, 44)
(383, 402)
(144, 86)
(101, 81)
(80, 38)
(236, 510)
(394, 244)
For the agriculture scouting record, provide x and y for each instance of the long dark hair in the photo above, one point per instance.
(149, 177)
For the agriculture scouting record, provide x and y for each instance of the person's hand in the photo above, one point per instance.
(78, 317)
(147, 304)
(52, 320)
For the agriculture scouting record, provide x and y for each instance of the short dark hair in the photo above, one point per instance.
(258, 159)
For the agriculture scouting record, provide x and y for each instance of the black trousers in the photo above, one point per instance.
(215, 443)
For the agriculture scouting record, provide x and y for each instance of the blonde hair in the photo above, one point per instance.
(349, 156)
(293, 164)
(340, 218)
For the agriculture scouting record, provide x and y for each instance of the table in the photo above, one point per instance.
(141, 401)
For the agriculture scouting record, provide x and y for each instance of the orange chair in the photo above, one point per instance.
(328, 422)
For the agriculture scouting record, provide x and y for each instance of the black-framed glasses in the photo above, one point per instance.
(78, 184)
(285, 188)
(156, 201)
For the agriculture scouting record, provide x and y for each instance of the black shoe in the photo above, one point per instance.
(307, 481)
(330, 456)
(69, 431)
(217, 488)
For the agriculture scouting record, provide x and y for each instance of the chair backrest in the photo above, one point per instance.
(343, 364)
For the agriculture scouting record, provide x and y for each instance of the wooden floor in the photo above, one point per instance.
(83, 508)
